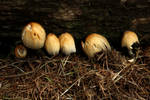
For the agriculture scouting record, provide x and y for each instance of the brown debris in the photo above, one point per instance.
(75, 77)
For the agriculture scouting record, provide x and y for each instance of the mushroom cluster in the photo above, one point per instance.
(65, 43)
(34, 37)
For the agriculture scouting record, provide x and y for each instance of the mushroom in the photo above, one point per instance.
(131, 42)
(67, 43)
(33, 35)
(52, 44)
(20, 51)
(95, 43)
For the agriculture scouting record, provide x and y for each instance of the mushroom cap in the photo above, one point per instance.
(33, 35)
(95, 43)
(52, 44)
(67, 43)
(20, 51)
(128, 39)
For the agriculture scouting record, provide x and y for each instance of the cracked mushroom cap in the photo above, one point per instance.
(33, 35)
(128, 39)
(67, 43)
(52, 44)
(95, 43)
(20, 51)
(131, 42)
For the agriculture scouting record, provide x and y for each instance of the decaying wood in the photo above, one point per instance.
(79, 17)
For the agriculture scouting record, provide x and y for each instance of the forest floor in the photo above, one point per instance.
(76, 77)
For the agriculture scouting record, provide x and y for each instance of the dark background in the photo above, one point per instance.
(79, 17)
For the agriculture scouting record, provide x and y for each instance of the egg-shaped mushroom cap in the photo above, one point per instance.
(33, 35)
(128, 39)
(67, 43)
(52, 44)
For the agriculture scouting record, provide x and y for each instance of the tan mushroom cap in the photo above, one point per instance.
(33, 35)
(67, 43)
(52, 44)
(95, 43)
(20, 51)
(128, 39)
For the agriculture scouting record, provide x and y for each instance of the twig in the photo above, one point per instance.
(63, 63)
(19, 68)
(18, 75)
(12, 64)
(75, 82)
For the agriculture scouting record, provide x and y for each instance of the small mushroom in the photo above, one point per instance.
(67, 43)
(20, 51)
(52, 44)
(33, 35)
(95, 43)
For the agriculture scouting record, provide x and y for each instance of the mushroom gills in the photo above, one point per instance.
(134, 52)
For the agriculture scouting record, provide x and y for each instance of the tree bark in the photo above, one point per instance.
(79, 17)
